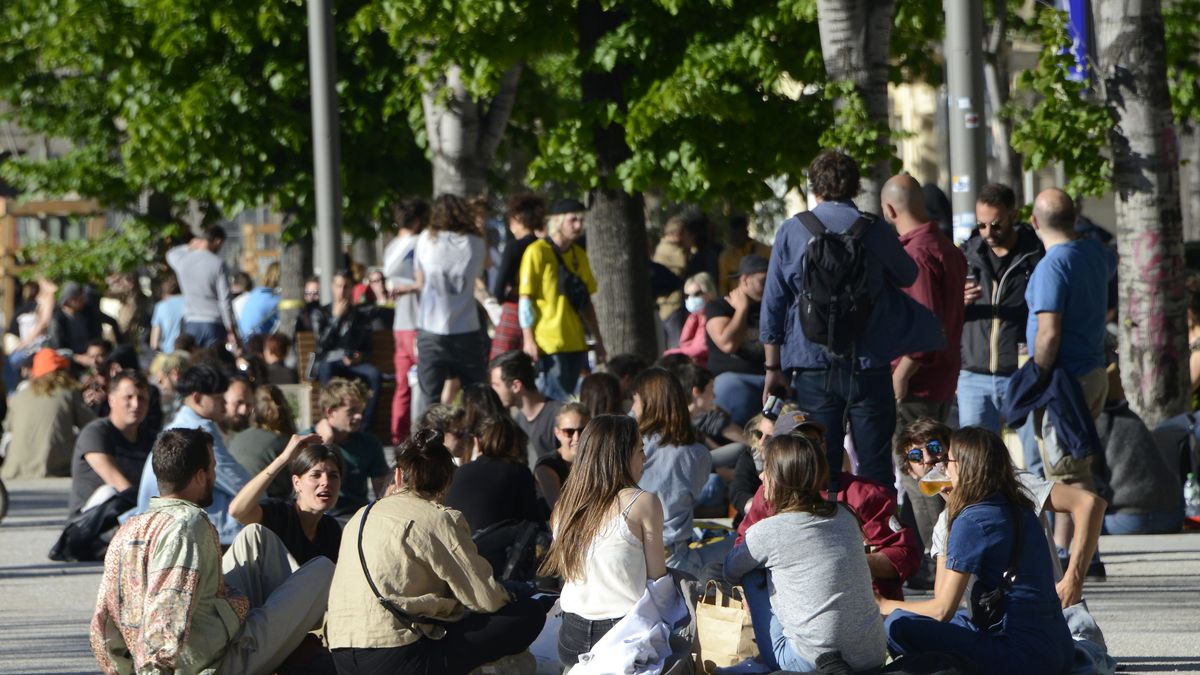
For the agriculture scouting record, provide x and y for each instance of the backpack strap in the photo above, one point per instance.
(859, 228)
(812, 223)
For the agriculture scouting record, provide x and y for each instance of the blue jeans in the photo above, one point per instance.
(980, 400)
(867, 395)
(739, 394)
(206, 333)
(773, 646)
(1037, 643)
(559, 374)
(361, 371)
(1143, 523)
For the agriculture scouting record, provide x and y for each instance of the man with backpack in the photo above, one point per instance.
(833, 319)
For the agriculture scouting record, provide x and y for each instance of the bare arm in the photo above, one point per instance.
(245, 507)
(107, 469)
(727, 333)
(1087, 511)
(646, 522)
(1048, 339)
(948, 588)
(905, 369)
(155, 336)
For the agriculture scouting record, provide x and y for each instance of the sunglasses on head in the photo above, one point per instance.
(933, 447)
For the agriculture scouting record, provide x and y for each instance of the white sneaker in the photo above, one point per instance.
(750, 666)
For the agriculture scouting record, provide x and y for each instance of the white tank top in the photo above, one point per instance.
(614, 573)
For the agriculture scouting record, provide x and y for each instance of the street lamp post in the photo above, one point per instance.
(964, 80)
(326, 153)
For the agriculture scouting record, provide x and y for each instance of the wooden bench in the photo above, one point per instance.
(382, 355)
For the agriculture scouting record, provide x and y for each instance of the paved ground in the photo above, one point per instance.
(1149, 608)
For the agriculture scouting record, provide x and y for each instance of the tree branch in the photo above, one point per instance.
(496, 119)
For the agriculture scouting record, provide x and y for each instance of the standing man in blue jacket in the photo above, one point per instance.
(1067, 296)
(829, 387)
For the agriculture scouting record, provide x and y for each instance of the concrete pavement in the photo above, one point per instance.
(1149, 608)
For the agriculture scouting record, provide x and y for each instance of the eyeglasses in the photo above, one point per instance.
(933, 447)
(571, 431)
(311, 294)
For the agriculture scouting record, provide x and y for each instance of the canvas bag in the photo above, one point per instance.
(723, 620)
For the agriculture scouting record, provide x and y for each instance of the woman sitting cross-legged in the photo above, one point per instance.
(991, 523)
(411, 593)
(819, 582)
(608, 535)
(302, 524)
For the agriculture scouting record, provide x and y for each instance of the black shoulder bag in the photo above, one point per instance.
(988, 608)
(570, 285)
(436, 629)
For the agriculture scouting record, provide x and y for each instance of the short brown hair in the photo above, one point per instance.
(919, 432)
(501, 438)
(527, 209)
(339, 391)
(997, 195)
(277, 343)
(425, 463)
(834, 176)
(177, 455)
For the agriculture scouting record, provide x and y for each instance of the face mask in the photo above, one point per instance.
(694, 304)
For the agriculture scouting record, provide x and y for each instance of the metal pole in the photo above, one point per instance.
(326, 153)
(964, 78)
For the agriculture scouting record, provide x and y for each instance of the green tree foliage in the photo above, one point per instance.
(1064, 123)
(202, 100)
(1183, 58)
(90, 261)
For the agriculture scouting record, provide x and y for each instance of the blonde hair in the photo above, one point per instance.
(165, 363)
(339, 391)
(51, 382)
(705, 281)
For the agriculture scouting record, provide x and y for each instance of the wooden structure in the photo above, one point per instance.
(23, 223)
(382, 354)
(262, 244)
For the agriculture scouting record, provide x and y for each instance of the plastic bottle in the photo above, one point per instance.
(1191, 496)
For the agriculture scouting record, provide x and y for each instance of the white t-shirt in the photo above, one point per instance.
(451, 263)
(1038, 490)
(398, 265)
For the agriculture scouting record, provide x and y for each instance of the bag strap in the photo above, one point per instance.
(859, 228)
(811, 223)
(437, 632)
(558, 255)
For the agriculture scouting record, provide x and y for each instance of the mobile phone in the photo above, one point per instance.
(772, 407)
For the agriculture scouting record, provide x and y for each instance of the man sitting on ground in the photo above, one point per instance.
(202, 388)
(514, 380)
(111, 451)
(164, 604)
(342, 403)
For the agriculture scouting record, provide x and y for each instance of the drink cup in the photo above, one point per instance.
(933, 482)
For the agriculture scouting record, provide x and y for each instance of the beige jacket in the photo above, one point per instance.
(421, 557)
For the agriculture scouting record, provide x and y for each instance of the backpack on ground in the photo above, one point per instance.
(836, 299)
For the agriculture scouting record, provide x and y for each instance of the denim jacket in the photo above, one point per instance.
(898, 324)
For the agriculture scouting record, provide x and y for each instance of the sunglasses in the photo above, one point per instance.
(571, 431)
(933, 447)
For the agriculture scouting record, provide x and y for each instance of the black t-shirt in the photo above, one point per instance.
(999, 263)
(281, 517)
(488, 491)
(504, 285)
(555, 463)
(101, 436)
(750, 357)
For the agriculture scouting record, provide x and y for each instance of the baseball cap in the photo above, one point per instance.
(47, 361)
(566, 206)
(796, 422)
(750, 264)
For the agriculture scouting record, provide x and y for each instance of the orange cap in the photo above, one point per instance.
(47, 361)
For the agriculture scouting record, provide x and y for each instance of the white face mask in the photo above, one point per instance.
(694, 304)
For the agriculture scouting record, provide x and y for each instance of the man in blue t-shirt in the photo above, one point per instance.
(1067, 296)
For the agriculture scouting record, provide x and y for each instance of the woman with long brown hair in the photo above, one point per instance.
(1016, 623)
(677, 464)
(44, 419)
(812, 549)
(608, 535)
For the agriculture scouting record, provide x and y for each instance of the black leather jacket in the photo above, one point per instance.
(994, 324)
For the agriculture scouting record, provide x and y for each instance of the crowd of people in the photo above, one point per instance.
(812, 390)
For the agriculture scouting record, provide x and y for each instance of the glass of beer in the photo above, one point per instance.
(934, 482)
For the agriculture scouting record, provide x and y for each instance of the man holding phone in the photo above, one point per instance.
(1001, 255)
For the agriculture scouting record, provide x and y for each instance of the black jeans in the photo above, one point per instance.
(578, 635)
(441, 357)
(468, 644)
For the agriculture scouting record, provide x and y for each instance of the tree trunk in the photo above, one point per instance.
(295, 265)
(1005, 163)
(855, 35)
(464, 132)
(616, 223)
(1153, 298)
(1190, 175)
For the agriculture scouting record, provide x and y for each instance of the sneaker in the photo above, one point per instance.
(749, 666)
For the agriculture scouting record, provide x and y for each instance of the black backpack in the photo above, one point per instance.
(836, 300)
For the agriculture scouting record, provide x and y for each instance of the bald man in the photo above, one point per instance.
(1067, 296)
(924, 382)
